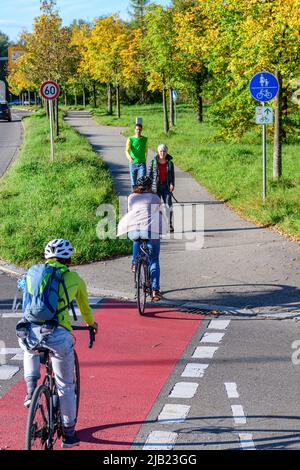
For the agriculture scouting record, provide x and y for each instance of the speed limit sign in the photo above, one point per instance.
(50, 90)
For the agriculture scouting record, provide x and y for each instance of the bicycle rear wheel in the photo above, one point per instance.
(77, 381)
(141, 286)
(38, 421)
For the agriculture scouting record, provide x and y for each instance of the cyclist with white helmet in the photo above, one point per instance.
(58, 254)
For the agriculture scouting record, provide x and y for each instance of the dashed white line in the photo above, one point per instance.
(218, 324)
(238, 414)
(231, 389)
(204, 352)
(160, 440)
(246, 440)
(174, 413)
(184, 390)
(212, 338)
(194, 370)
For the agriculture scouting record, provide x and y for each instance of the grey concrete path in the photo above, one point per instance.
(240, 265)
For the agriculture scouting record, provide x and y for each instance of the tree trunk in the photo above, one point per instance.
(75, 96)
(172, 113)
(47, 108)
(66, 99)
(118, 101)
(277, 160)
(94, 95)
(165, 109)
(109, 99)
(199, 100)
(83, 97)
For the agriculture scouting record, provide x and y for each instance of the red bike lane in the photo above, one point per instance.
(121, 377)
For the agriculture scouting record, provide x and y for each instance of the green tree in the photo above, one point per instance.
(137, 12)
(4, 44)
(159, 50)
(248, 37)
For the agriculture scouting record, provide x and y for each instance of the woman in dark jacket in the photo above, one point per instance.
(161, 172)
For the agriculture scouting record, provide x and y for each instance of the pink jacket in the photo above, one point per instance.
(144, 213)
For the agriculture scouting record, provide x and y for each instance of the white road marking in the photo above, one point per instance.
(184, 390)
(18, 357)
(246, 441)
(218, 324)
(174, 413)
(238, 414)
(12, 315)
(204, 352)
(194, 370)
(5, 351)
(160, 440)
(212, 338)
(231, 389)
(7, 372)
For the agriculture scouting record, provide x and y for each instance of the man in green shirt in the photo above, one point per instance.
(136, 152)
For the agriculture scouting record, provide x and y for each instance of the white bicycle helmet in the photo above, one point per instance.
(59, 248)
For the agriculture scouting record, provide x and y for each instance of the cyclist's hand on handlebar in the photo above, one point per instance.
(95, 326)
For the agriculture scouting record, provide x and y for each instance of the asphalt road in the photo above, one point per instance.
(10, 139)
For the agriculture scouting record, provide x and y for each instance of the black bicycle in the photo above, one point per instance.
(142, 276)
(44, 425)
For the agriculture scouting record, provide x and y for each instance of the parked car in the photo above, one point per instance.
(5, 111)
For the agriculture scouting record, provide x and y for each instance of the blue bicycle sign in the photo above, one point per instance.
(264, 86)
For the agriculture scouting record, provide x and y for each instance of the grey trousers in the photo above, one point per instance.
(60, 342)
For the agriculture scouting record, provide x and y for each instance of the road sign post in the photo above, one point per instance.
(50, 91)
(264, 87)
(174, 98)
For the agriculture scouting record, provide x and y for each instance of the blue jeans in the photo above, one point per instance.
(137, 170)
(154, 247)
(60, 342)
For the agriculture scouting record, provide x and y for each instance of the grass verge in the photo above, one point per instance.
(232, 171)
(40, 200)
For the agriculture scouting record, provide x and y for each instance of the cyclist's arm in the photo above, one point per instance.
(128, 148)
(83, 302)
(146, 150)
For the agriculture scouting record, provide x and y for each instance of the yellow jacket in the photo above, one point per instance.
(76, 288)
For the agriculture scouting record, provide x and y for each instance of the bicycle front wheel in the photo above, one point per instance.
(141, 286)
(77, 381)
(38, 421)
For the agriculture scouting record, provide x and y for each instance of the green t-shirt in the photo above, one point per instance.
(137, 148)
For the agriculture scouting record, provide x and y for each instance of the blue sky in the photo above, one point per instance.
(17, 15)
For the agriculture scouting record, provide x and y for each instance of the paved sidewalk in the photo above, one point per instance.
(240, 265)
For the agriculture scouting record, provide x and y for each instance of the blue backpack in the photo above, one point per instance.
(41, 293)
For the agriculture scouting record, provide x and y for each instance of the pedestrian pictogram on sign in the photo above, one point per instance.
(264, 86)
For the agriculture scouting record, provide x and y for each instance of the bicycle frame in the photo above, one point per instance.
(49, 382)
(144, 255)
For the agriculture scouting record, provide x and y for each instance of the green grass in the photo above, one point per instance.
(40, 201)
(232, 171)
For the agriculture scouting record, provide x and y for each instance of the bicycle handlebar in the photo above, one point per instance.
(91, 330)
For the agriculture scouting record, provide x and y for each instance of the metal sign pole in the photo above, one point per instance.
(175, 117)
(51, 129)
(264, 157)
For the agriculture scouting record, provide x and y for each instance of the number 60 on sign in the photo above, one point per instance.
(50, 90)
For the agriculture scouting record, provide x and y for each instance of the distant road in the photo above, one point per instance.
(10, 139)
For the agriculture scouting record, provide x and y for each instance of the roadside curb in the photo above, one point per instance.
(197, 308)
(11, 269)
